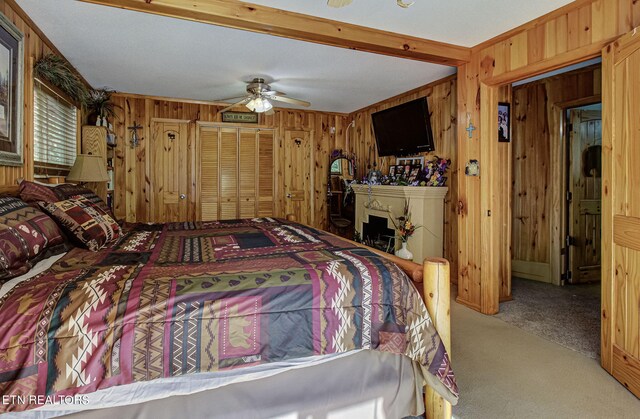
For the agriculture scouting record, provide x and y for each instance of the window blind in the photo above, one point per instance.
(55, 129)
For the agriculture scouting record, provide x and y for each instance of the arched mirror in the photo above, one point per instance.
(340, 202)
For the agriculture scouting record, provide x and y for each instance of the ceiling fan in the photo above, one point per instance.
(259, 98)
(342, 3)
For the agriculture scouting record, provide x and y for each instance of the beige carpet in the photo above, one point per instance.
(569, 315)
(506, 372)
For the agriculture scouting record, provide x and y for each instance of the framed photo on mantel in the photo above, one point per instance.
(11, 87)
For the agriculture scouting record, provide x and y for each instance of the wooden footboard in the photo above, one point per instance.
(432, 278)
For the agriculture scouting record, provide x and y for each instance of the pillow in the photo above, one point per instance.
(70, 191)
(33, 192)
(88, 223)
(25, 234)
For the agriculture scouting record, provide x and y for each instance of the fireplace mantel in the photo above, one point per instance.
(426, 207)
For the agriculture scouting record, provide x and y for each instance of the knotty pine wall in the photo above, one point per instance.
(441, 96)
(571, 34)
(537, 213)
(131, 166)
(36, 45)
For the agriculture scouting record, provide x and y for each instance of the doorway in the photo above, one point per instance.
(583, 194)
(556, 189)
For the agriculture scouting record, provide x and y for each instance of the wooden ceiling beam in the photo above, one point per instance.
(267, 20)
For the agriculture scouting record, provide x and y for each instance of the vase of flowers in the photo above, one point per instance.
(405, 229)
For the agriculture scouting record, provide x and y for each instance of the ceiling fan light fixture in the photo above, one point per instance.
(259, 105)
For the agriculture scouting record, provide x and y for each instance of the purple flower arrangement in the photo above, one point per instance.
(434, 172)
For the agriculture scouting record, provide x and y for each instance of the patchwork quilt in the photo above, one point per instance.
(174, 299)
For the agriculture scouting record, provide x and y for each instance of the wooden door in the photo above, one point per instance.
(228, 174)
(621, 211)
(266, 174)
(585, 186)
(170, 166)
(209, 161)
(297, 176)
(248, 172)
(236, 173)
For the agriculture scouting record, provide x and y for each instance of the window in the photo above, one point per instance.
(55, 130)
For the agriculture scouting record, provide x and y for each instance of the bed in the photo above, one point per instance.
(186, 311)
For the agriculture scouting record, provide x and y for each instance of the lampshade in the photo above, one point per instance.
(88, 168)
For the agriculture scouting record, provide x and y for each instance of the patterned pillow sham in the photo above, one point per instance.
(25, 234)
(33, 192)
(85, 221)
(70, 191)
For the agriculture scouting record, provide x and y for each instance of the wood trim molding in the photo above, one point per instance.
(559, 61)
(271, 21)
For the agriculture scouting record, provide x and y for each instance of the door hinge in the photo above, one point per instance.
(569, 196)
(570, 241)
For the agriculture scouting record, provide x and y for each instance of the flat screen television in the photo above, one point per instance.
(404, 129)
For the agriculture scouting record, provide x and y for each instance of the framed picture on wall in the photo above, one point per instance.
(11, 88)
(504, 122)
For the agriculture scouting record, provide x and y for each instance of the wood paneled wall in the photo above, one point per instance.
(537, 148)
(132, 166)
(568, 35)
(36, 45)
(441, 96)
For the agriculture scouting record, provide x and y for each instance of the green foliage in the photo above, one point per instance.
(99, 102)
(56, 71)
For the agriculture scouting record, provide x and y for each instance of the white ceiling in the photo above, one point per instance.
(153, 55)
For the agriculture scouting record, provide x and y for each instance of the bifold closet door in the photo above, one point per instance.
(209, 173)
(236, 172)
(265, 173)
(228, 173)
(248, 147)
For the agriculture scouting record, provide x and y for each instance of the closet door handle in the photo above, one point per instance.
(182, 196)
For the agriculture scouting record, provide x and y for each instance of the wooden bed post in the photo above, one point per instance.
(437, 299)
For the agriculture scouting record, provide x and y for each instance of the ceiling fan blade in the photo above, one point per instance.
(338, 3)
(289, 100)
(229, 99)
(242, 102)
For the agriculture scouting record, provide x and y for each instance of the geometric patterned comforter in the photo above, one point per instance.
(182, 298)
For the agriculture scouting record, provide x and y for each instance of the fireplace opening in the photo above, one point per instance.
(378, 235)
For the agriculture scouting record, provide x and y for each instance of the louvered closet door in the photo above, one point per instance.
(236, 173)
(209, 173)
(247, 171)
(228, 174)
(266, 165)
